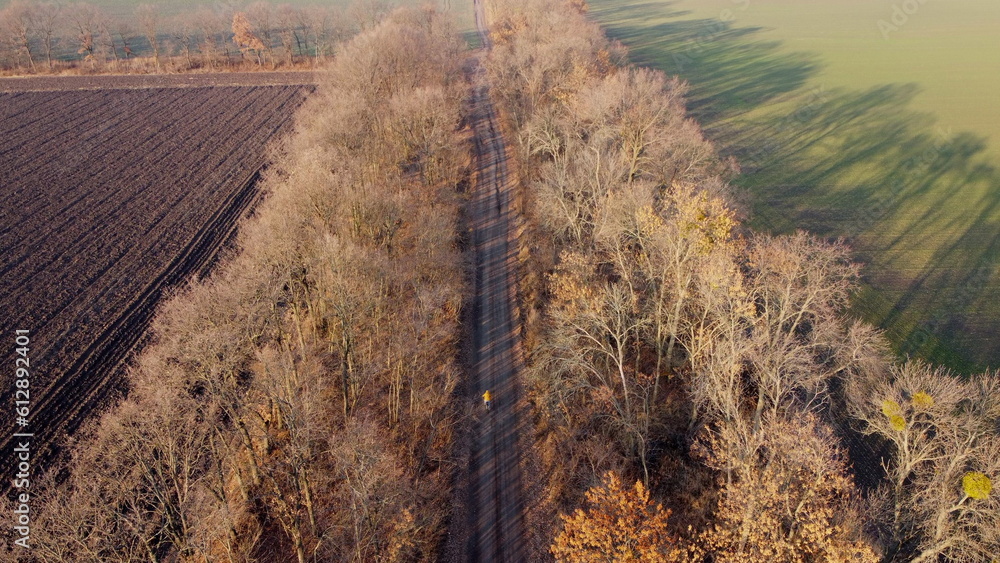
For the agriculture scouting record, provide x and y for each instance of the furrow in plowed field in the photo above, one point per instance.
(110, 197)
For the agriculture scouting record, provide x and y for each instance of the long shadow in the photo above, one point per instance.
(917, 202)
(727, 69)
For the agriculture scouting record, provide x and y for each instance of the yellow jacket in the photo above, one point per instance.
(487, 396)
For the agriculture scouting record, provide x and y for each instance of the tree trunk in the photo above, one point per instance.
(48, 52)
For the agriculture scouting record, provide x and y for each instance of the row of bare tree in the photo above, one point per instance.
(43, 36)
(295, 406)
(669, 343)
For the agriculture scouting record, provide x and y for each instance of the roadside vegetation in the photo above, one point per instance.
(295, 406)
(670, 347)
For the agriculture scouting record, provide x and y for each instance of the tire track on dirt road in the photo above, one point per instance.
(494, 475)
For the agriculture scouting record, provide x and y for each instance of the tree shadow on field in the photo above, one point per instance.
(727, 70)
(918, 202)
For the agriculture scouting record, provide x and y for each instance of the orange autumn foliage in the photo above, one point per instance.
(789, 502)
(619, 524)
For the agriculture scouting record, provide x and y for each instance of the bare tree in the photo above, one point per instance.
(185, 33)
(213, 27)
(717, 342)
(48, 22)
(123, 29)
(526, 73)
(946, 454)
(286, 19)
(292, 386)
(423, 123)
(85, 20)
(640, 107)
(261, 17)
(107, 31)
(695, 240)
(305, 27)
(19, 20)
(149, 20)
(368, 13)
(793, 501)
(800, 284)
(593, 348)
(150, 457)
(327, 27)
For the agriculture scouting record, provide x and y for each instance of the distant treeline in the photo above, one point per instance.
(699, 394)
(47, 37)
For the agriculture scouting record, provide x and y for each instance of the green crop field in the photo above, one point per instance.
(873, 120)
(124, 9)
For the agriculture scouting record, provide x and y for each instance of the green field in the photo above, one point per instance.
(124, 9)
(886, 136)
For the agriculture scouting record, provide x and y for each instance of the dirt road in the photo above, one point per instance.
(159, 81)
(495, 479)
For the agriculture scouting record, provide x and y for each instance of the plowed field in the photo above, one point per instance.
(111, 196)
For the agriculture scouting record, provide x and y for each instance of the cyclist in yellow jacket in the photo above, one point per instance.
(487, 399)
